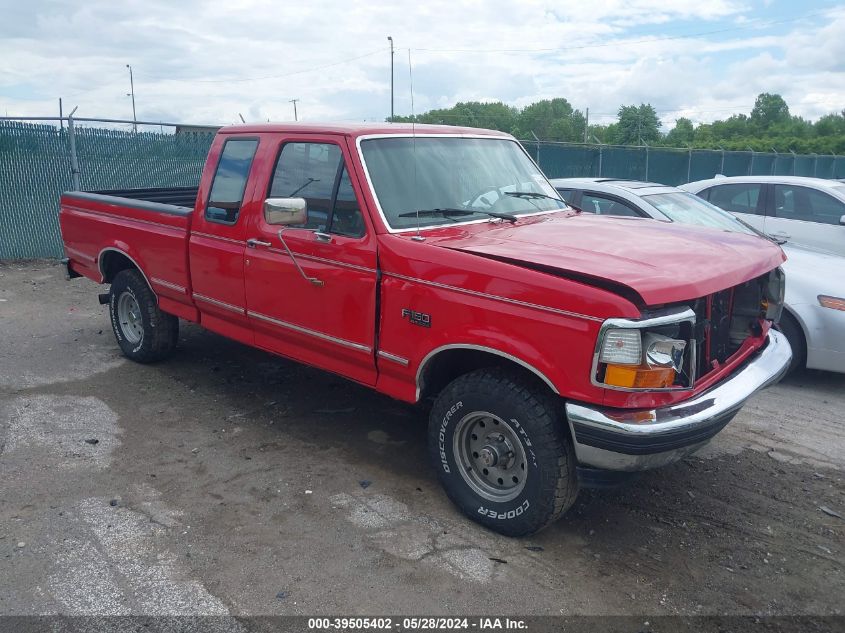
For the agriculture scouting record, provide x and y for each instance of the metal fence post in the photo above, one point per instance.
(646, 162)
(601, 152)
(74, 161)
(815, 165)
(722, 167)
(689, 165)
(751, 165)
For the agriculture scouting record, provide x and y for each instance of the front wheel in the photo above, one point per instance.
(145, 333)
(501, 452)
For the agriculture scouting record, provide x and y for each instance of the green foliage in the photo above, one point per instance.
(769, 110)
(768, 127)
(495, 116)
(681, 135)
(551, 120)
(637, 125)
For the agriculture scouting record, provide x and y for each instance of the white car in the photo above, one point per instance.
(814, 310)
(805, 211)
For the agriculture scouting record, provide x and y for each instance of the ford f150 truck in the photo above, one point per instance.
(438, 264)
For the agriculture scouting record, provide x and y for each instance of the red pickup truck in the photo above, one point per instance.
(438, 264)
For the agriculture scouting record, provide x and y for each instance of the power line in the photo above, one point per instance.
(288, 74)
(617, 42)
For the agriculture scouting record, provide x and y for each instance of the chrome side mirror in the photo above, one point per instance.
(285, 211)
(842, 220)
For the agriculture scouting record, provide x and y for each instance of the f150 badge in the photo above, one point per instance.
(417, 318)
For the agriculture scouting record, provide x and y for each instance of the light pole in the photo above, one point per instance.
(390, 39)
(132, 94)
(293, 101)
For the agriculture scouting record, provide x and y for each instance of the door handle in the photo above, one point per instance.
(254, 241)
(781, 234)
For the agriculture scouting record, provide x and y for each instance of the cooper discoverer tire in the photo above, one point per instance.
(500, 447)
(145, 333)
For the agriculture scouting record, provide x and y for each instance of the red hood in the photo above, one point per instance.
(662, 262)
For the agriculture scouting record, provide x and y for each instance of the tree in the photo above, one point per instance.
(768, 110)
(496, 116)
(637, 125)
(551, 120)
(682, 134)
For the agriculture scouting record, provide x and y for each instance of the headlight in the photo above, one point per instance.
(622, 347)
(655, 353)
(775, 292)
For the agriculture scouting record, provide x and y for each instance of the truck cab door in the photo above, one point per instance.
(316, 303)
(217, 242)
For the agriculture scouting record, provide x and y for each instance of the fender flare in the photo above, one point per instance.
(478, 348)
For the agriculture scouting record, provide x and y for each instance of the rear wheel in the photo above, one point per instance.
(145, 333)
(501, 451)
(795, 335)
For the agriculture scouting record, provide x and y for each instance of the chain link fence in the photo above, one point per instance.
(37, 165)
(674, 166)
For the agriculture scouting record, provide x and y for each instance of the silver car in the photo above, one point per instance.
(814, 311)
(806, 211)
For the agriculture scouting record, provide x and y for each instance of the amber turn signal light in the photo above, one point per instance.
(834, 303)
(641, 377)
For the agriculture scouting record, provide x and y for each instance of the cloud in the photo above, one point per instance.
(206, 62)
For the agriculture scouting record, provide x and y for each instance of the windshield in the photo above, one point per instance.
(454, 179)
(688, 208)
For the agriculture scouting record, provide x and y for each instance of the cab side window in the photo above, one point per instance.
(600, 205)
(227, 188)
(736, 197)
(802, 203)
(316, 172)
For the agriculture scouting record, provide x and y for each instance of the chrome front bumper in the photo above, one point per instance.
(618, 439)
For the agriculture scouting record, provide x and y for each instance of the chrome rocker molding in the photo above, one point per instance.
(616, 439)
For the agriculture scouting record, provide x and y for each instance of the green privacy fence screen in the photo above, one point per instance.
(675, 166)
(35, 167)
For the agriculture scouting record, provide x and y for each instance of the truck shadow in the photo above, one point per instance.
(683, 506)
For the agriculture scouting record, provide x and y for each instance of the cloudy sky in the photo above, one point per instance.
(207, 61)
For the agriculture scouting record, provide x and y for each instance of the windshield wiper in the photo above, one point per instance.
(447, 212)
(533, 194)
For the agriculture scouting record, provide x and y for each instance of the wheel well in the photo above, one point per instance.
(446, 365)
(112, 262)
(788, 315)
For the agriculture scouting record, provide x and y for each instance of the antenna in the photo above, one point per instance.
(417, 237)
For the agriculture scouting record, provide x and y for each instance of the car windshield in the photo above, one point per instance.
(454, 179)
(687, 208)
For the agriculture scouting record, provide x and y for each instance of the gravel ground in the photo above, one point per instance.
(227, 481)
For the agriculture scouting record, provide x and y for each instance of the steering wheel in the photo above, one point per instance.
(479, 198)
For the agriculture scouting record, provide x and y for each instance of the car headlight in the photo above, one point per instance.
(655, 353)
(621, 347)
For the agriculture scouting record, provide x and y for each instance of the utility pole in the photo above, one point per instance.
(586, 125)
(293, 101)
(390, 39)
(132, 94)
